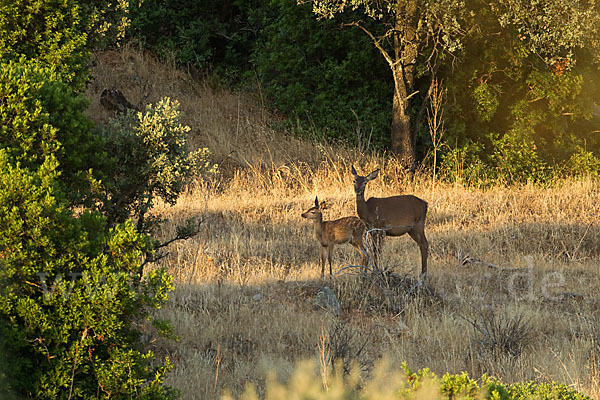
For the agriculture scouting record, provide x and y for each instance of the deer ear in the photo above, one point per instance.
(316, 202)
(373, 175)
(353, 171)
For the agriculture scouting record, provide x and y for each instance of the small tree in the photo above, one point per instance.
(148, 158)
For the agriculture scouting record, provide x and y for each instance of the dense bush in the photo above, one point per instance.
(147, 157)
(59, 34)
(43, 116)
(322, 76)
(53, 33)
(74, 300)
(70, 297)
(201, 35)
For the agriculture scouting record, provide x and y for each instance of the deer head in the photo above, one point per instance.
(315, 211)
(360, 182)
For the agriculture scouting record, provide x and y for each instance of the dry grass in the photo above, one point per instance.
(522, 259)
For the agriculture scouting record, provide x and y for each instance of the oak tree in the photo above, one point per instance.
(417, 36)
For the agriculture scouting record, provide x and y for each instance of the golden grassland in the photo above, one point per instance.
(514, 276)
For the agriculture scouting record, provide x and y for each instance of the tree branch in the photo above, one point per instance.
(376, 42)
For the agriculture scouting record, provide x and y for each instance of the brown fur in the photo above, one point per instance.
(397, 215)
(340, 231)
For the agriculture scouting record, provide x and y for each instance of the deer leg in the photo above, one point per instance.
(329, 255)
(323, 254)
(418, 235)
(358, 243)
(362, 251)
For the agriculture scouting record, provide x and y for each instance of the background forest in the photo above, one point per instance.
(519, 79)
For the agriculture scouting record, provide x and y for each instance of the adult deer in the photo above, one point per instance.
(329, 233)
(395, 215)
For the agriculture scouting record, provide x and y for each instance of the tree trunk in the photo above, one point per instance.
(402, 137)
(403, 70)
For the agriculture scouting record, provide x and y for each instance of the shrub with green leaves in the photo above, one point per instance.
(53, 33)
(147, 158)
(73, 297)
(395, 384)
(71, 301)
(201, 35)
(322, 77)
(60, 33)
(41, 116)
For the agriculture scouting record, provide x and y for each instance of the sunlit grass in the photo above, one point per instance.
(243, 303)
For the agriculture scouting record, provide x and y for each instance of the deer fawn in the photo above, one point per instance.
(329, 233)
(396, 215)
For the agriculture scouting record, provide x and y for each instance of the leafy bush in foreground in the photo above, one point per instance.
(70, 298)
(74, 300)
(393, 385)
(42, 116)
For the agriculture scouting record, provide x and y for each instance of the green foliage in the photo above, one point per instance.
(459, 386)
(463, 163)
(59, 34)
(197, 34)
(69, 294)
(42, 116)
(552, 29)
(73, 301)
(583, 163)
(50, 32)
(107, 22)
(319, 75)
(435, 19)
(540, 113)
(515, 157)
(533, 391)
(486, 101)
(147, 157)
(388, 384)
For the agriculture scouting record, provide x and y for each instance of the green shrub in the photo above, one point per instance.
(147, 158)
(543, 391)
(71, 302)
(321, 76)
(464, 163)
(49, 32)
(582, 163)
(201, 35)
(388, 384)
(60, 34)
(42, 116)
(516, 158)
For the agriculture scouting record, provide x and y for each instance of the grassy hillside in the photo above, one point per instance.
(513, 288)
